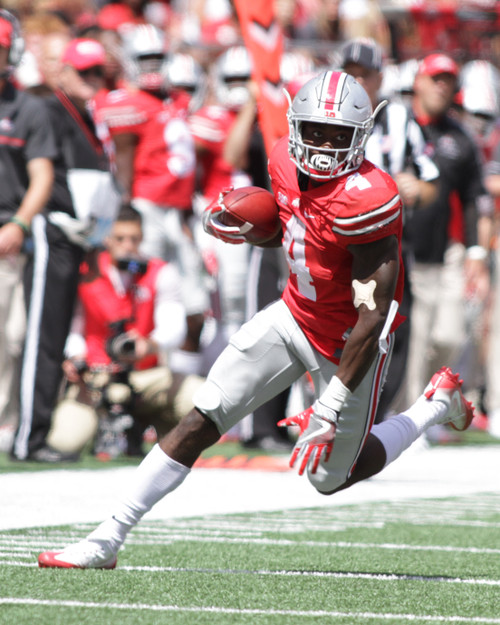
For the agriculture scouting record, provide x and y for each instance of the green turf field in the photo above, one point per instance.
(420, 561)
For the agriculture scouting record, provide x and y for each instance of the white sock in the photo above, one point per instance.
(425, 413)
(398, 432)
(156, 476)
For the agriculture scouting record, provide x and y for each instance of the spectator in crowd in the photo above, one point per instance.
(477, 105)
(155, 166)
(27, 148)
(35, 28)
(397, 145)
(82, 198)
(335, 320)
(483, 104)
(451, 236)
(333, 20)
(129, 311)
(52, 48)
(364, 18)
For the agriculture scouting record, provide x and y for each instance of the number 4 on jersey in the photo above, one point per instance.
(295, 247)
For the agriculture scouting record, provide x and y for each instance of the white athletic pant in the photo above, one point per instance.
(266, 356)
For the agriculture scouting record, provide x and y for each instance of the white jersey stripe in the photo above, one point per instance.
(369, 215)
(369, 228)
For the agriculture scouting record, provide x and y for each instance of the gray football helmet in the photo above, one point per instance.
(331, 97)
(184, 73)
(232, 71)
(144, 56)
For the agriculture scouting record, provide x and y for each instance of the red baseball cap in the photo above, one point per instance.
(84, 53)
(435, 64)
(6, 29)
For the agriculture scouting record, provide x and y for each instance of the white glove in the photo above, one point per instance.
(316, 437)
(318, 425)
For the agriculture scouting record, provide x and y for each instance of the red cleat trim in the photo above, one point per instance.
(47, 560)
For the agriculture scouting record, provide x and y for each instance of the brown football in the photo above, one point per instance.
(255, 206)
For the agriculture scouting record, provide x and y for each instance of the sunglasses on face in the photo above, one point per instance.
(97, 72)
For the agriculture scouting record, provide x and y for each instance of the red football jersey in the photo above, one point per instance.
(164, 161)
(318, 226)
(210, 127)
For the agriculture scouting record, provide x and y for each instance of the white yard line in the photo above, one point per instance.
(56, 497)
(414, 618)
(384, 577)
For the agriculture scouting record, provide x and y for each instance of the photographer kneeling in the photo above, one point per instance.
(129, 316)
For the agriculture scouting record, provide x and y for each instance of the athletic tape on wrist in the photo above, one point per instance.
(335, 395)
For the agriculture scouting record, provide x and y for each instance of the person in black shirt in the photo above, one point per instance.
(27, 148)
(450, 237)
(396, 145)
(83, 187)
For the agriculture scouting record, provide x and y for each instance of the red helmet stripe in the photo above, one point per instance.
(332, 88)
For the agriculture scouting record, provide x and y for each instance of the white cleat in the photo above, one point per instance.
(446, 386)
(87, 554)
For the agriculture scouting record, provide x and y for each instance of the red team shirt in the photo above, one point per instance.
(164, 162)
(102, 305)
(318, 226)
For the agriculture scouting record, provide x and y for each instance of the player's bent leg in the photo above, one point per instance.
(354, 456)
(441, 402)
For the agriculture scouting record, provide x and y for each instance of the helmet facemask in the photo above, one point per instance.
(327, 163)
(150, 72)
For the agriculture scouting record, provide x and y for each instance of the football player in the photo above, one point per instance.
(341, 229)
(155, 166)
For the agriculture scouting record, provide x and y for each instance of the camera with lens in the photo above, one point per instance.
(133, 266)
(119, 344)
